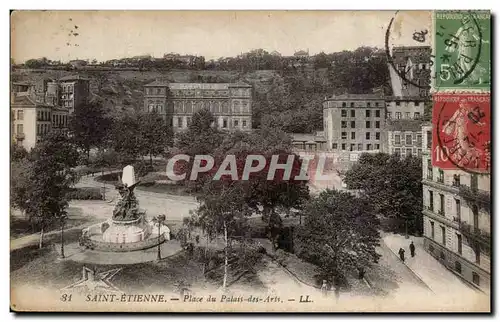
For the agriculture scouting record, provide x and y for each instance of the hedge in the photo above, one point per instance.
(87, 193)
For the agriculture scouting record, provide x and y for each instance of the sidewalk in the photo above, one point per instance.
(437, 277)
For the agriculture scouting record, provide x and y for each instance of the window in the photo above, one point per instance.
(377, 146)
(20, 115)
(377, 124)
(398, 115)
(368, 112)
(459, 244)
(376, 104)
(432, 230)
(334, 146)
(343, 124)
(367, 135)
(407, 115)
(398, 103)
(343, 146)
(475, 215)
(368, 147)
(429, 139)
(158, 91)
(458, 267)
(352, 147)
(368, 105)
(441, 204)
(188, 120)
(343, 104)
(352, 104)
(416, 115)
(353, 135)
(244, 123)
(236, 123)
(368, 124)
(419, 139)
(397, 139)
(443, 235)
(360, 147)
(397, 151)
(353, 113)
(477, 252)
(431, 200)
(419, 153)
(456, 180)
(343, 113)
(409, 152)
(20, 129)
(440, 176)
(475, 278)
(344, 135)
(179, 122)
(409, 139)
(224, 123)
(388, 115)
(473, 182)
(377, 135)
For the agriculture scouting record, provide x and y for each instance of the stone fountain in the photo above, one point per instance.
(127, 229)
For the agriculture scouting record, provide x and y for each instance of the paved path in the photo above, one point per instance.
(437, 277)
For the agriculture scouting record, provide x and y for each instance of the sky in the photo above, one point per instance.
(104, 35)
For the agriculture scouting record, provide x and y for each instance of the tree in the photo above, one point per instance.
(125, 137)
(89, 127)
(223, 212)
(392, 185)
(156, 134)
(340, 235)
(17, 153)
(47, 181)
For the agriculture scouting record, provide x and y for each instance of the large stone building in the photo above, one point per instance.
(354, 122)
(231, 104)
(457, 218)
(404, 137)
(44, 106)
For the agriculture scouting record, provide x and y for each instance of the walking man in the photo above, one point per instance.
(412, 249)
(324, 288)
(402, 254)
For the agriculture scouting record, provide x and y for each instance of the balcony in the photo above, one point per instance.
(441, 212)
(476, 235)
(475, 197)
(20, 136)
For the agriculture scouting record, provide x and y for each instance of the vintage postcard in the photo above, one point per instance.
(250, 161)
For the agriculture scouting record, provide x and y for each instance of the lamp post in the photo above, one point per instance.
(63, 218)
(160, 219)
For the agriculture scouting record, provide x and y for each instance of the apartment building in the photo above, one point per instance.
(457, 218)
(230, 103)
(354, 122)
(404, 137)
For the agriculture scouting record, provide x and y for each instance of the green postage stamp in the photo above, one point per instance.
(462, 50)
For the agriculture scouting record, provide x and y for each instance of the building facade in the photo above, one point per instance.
(404, 137)
(44, 106)
(414, 63)
(407, 108)
(231, 104)
(354, 122)
(457, 218)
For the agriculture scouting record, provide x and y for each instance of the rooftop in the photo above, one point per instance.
(404, 125)
(73, 77)
(196, 85)
(355, 97)
(306, 137)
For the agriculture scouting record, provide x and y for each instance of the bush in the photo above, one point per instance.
(88, 193)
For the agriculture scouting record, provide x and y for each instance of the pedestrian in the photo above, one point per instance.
(402, 254)
(412, 249)
(324, 288)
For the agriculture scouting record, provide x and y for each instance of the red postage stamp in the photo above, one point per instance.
(461, 132)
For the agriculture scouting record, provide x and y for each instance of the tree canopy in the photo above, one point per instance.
(391, 184)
